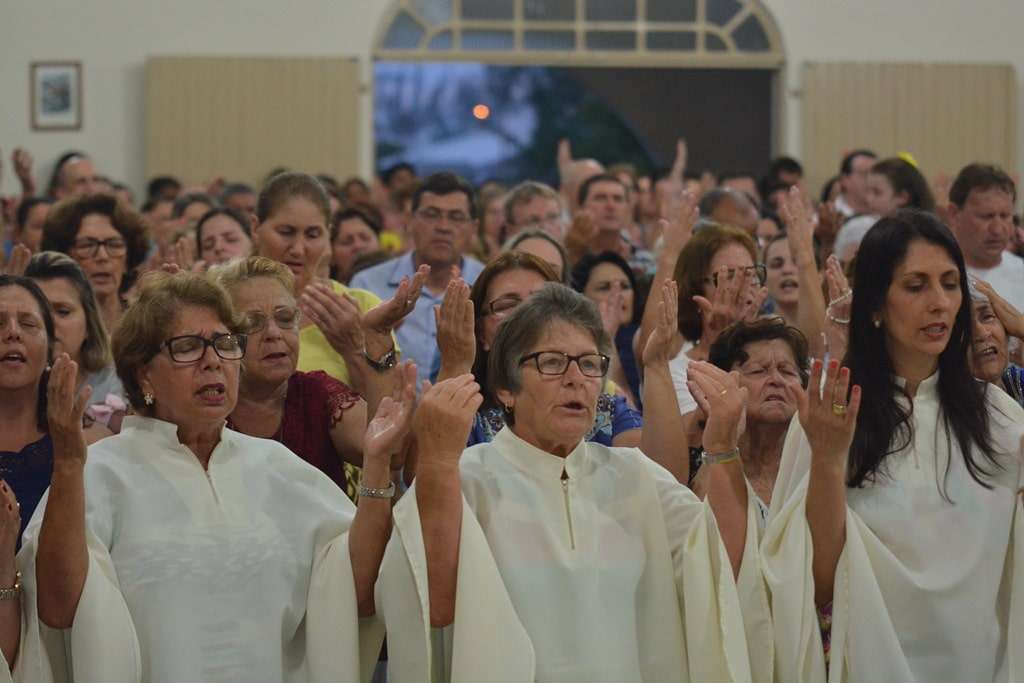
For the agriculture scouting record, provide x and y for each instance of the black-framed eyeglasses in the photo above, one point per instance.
(285, 317)
(758, 271)
(434, 216)
(189, 348)
(557, 363)
(90, 248)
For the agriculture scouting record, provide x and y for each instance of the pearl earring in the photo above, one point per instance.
(878, 322)
(148, 398)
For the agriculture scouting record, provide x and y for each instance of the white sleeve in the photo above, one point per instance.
(488, 641)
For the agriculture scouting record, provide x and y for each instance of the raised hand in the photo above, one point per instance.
(829, 416)
(679, 163)
(829, 222)
(564, 155)
(65, 406)
(443, 419)
(20, 256)
(183, 254)
(582, 232)
(799, 220)
(731, 302)
(388, 432)
(387, 315)
(456, 333)
(723, 400)
(678, 229)
(10, 523)
(22, 162)
(659, 346)
(1008, 315)
(337, 316)
(611, 312)
(840, 303)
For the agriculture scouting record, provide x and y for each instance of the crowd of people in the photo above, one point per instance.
(642, 427)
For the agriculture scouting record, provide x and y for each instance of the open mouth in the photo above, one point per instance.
(775, 398)
(936, 330)
(276, 355)
(13, 357)
(987, 353)
(789, 285)
(574, 406)
(212, 393)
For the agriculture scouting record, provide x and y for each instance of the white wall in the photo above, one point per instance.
(112, 39)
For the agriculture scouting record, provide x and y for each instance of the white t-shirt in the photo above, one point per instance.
(677, 367)
(1007, 278)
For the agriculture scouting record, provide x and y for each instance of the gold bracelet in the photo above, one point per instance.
(14, 591)
(718, 458)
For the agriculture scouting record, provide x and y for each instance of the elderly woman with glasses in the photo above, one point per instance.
(468, 323)
(316, 416)
(180, 550)
(542, 556)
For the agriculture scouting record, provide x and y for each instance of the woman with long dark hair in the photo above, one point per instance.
(897, 503)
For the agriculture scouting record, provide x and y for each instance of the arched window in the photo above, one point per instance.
(689, 33)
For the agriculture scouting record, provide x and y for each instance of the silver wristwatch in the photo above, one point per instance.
(384, 363)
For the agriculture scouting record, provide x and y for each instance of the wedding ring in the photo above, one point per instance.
(724, 392)
(839, 409)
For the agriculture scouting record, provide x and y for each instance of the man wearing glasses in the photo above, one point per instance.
(443, 221)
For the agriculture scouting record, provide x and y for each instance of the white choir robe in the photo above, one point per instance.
(926, 589)
(616, 573)
(237, 573)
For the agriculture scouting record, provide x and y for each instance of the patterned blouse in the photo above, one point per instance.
(313, 405)
(1013, 382)
(613, 417)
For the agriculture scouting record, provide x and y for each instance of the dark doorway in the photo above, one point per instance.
(504, 122)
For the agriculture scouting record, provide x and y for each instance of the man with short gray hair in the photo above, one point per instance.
(533, 205)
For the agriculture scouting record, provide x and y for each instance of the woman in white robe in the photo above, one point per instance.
(539, 556)
(912, 534)
(184, 551)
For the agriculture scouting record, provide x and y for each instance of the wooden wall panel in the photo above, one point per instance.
(946, 115)
(241, 117)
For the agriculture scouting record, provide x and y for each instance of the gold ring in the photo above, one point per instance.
(724, 392)
(839, 409)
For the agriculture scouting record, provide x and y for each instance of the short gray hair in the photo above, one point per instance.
(526, 192)
(523, 328)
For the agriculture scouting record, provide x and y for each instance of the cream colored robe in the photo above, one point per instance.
(237, 573)
(927, 590)
(616, 573)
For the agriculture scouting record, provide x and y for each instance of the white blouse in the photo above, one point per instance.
(926, 584)
(239, 572)
(590, 568)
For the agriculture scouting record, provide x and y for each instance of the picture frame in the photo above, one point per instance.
(55, 95)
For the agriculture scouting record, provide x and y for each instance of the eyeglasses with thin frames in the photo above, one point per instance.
(435, 216)
(759, 271)
(285, 317)
(557, 363)
(190, 348)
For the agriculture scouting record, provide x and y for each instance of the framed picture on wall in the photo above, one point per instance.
(56, 95)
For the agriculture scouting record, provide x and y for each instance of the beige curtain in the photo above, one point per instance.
(240, 117)
(945, 115)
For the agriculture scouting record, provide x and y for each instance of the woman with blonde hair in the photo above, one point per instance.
(319, 418)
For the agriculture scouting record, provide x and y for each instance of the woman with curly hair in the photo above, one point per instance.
(107, 239)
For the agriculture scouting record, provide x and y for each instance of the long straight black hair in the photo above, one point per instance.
(883, 425)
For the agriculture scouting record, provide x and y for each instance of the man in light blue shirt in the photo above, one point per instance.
(444, 222)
